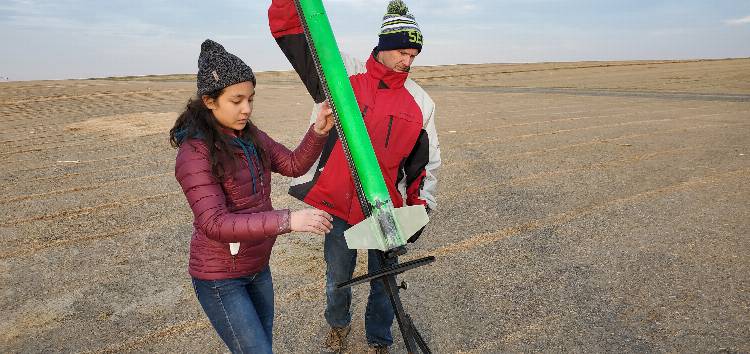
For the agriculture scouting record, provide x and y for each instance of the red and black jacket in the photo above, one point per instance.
(399, 117)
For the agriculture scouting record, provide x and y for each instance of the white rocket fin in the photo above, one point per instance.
(367, 234)
(411, 219)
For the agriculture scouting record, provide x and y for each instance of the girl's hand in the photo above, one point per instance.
(311, 220)
(324, 123)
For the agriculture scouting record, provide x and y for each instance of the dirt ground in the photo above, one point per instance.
(584, 207)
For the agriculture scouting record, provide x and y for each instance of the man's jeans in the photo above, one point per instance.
(240, 310)
(340, 262)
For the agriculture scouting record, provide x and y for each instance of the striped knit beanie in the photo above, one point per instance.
(399, 29)
(218, 68)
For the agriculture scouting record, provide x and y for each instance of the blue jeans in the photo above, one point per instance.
(340, 262)
(240, 310)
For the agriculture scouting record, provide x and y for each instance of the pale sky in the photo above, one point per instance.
(86, 38)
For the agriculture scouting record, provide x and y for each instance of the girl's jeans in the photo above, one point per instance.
(240, 310)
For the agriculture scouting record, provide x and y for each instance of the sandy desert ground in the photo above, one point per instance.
(584, 207)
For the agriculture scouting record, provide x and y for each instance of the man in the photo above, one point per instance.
(399, 117)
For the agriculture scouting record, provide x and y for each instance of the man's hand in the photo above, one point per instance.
(324, 123)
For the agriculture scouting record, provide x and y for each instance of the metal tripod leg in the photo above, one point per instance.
(412, 339)
(418, 338)
(404, 323)
(388, 270)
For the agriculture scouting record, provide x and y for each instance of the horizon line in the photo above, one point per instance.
(140, 76)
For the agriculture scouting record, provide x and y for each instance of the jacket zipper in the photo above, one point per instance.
(260, 175)
(388, 136)
(234, 264)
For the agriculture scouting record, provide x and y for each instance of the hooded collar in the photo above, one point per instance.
(391, 79)
(229, 132)
(247, 146)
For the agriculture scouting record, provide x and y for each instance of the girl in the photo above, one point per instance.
(224, 166)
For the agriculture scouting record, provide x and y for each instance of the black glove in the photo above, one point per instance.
(414, 237)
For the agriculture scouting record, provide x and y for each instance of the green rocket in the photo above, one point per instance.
(385, 227)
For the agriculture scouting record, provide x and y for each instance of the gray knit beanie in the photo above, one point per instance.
(218, 68)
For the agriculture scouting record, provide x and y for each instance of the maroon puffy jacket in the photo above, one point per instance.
(227, 211)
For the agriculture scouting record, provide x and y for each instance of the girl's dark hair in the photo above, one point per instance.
(198, 121)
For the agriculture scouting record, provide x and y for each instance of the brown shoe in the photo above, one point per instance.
(377, 349)
(336, 340)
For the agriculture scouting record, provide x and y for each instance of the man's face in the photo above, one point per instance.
(398, 59)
